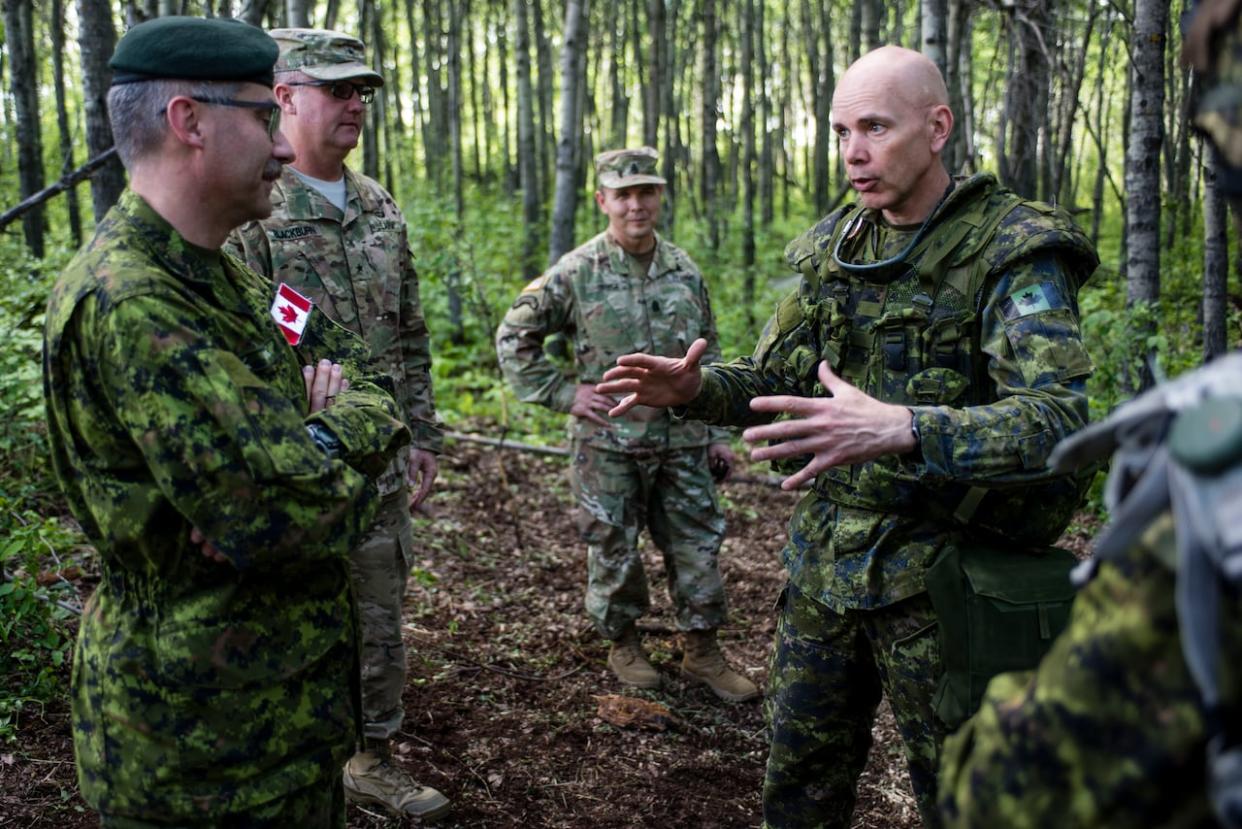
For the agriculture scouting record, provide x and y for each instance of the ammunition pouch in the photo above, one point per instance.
(998, 610)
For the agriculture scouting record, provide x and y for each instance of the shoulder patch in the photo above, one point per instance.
(1044, 296)
(282, 234)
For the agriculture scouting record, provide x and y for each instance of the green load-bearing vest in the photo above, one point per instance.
(914, 340)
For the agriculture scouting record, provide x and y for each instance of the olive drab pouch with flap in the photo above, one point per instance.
(999, 610)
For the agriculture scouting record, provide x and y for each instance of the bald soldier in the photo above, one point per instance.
(629, 288)
(220, 467)
(338, 237)
(927, 364)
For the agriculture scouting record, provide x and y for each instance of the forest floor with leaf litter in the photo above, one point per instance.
(507, 677)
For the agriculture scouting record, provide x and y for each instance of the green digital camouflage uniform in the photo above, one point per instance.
(646, 469)
(1111, 730)
(206, 692)
(981, 340)
(357, 269)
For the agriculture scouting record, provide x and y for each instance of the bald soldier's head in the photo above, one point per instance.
(891, 114)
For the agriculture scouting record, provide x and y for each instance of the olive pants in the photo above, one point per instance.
(321, 806)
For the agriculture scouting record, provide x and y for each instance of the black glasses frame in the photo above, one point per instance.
(341, 90)
(273, 109)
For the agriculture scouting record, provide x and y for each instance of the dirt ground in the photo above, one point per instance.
(506, 677)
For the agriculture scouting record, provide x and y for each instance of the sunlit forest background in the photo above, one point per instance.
(485, 130)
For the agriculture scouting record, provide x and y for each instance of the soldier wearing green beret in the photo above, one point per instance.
(927, 364)
(1134, 717)
(221, 466)
(629, 289)
(339, 238)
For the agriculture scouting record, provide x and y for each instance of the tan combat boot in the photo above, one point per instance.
(704, 662)
(629, 663)
(372, 778)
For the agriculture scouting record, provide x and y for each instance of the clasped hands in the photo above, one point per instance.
(847, 427)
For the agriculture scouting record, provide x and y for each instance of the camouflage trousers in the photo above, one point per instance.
(828, 671)
(379, 567)
(320, 806)
(673, 495)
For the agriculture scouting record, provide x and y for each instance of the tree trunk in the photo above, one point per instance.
(96, 42)
(547, 136)
(710, 175)
(465, 34)
(437, 110)
(502, 45)
(821, 98)
(1070, 92)
(1025, 89)
(455, 107)
(329, 21)
(766, 85)
(298, 13)
(957, 26)
(24, 86)
(252, 11)
(528, 167)
(417, 127)
(869, 22)
(748, 158)
(935, 27)
(663, 44)
(1215, 261)
(370, 135)
(573, 53)
(656, 70)
(620, 103)
(62, 119)
(1143, 162)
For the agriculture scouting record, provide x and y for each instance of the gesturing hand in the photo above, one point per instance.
(849, 427)
(591, 405)
(655, 381)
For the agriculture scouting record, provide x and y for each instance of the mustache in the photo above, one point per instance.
(271, 170)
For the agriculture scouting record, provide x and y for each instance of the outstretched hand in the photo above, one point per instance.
(655, 381)
(849, 427)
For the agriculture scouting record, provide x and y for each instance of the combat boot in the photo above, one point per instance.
(629, 663)
(704, 662)
(372, 778)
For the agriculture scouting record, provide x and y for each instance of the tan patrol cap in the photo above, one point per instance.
(323, 55)
(626, 168)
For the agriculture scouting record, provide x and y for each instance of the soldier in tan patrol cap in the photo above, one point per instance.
(338, 237)
(630, 290)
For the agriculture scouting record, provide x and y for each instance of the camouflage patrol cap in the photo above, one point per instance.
(193, 49)
(625, 168)
(323, 55)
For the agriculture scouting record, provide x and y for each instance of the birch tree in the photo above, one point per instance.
(573, 58)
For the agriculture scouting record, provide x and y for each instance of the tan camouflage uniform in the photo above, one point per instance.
(357, 269)
(647, 469)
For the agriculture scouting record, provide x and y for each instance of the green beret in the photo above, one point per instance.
(194, 49)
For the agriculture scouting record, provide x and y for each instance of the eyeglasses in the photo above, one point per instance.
(271, 107)
(341, 90)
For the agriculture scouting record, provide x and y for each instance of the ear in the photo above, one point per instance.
(284, 97)
(939, 126)
(599, 199)
(183, 121)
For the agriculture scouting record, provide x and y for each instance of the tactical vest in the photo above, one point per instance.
(915, 340)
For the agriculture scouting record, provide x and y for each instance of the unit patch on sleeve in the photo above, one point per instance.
(1032, 299)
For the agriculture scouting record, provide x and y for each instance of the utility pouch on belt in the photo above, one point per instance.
(999, 611)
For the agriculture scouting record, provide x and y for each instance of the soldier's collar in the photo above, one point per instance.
(165, 243)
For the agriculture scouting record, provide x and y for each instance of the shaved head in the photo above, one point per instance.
(903, 72)
(891, 116)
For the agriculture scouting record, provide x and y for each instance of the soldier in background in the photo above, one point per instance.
(208, 687)
(1134, 717)
(928, 363)
(629, 289)
(338, 237)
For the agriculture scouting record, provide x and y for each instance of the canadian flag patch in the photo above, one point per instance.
(291, 310)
